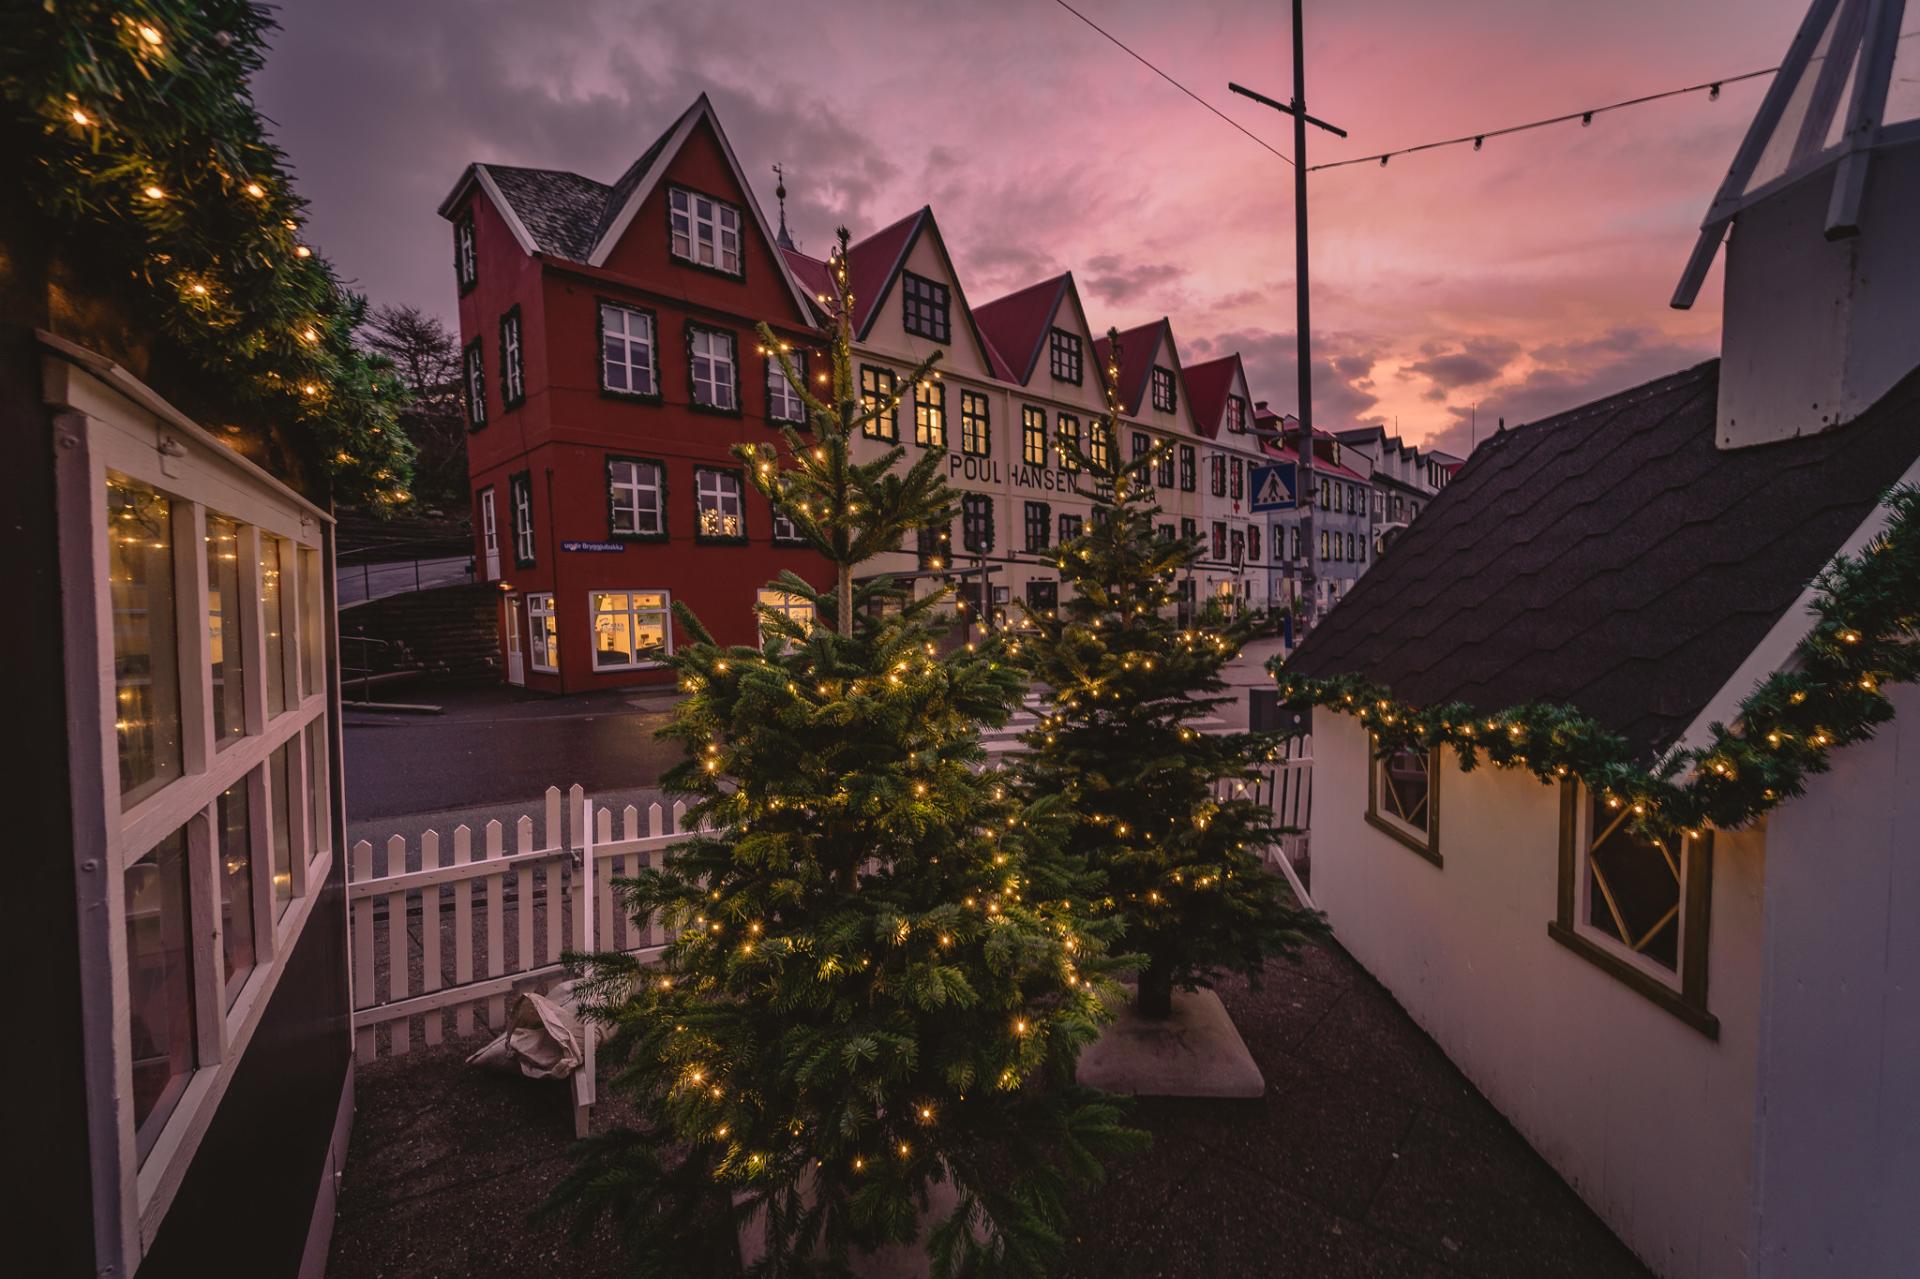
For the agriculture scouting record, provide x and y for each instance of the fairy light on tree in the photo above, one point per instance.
(1183, 869)
(882, 964)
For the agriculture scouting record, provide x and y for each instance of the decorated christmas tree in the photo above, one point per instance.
(1126, 684)
(882, 966)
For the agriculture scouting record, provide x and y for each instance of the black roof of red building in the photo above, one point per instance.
(1613, 558)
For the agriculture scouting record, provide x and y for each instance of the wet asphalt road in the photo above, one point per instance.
(497, 747)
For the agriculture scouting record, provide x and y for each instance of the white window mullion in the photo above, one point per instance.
(195, 637)
(299, 838)
(206, 961)
(260, 841)
(252, 617)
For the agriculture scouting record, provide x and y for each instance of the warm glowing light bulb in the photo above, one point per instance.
(255, 190)
(81, 117)
(153, 192)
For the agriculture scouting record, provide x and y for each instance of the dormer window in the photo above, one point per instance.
(1236, 415)
(513, 378)
(704, 231)
(1063, 356)
(466, 256)
(924, 307)
(1163, 390)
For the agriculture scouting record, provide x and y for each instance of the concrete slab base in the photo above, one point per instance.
(1194, 1053)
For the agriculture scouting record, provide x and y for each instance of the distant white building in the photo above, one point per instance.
(1715, 1039)
(1403, 478)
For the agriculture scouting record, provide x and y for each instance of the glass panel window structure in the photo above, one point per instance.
(1033, 435)
(797, 609)
(146, 673)
(783, 398)
(235, 849)
(628, 354)
(784, 529)
(1043, 597)
(1100, 443)
(976, 523)
(513, 377)
(273, 621)
(1236, 415)
(1163, 396)
(636, 498)
(704, 231)
(313, 611)
(319, 810)
(924, 307)
(1189, 528)
(489, 525)
(930, 414)
(878, 389)
(1039, 525)
(716, 372)
(1217, 474)
(1186, 468)
(1219, 540)
(932, 545)
(1237, 479)
(1163, 470)
(474, 385)
(1403, 798)
(520, 493)
(1071, 526)
(1253, 543)
(1069, 436)
(721, 513)
(1063, 356)
(280, 810)
(160, 981)
(627, 626)
(1632, 886)
(1141, 446)
(543, 632)
(1237, 547)
(466, 256)
(976, 425)
(226, 641)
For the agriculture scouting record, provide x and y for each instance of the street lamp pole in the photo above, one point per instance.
(1303, 322)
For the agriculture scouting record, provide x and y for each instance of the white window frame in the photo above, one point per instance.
(783, 398)
(785, 531)
(474, 362)
(717, 350)
(710, 483)
(632, 491)
(785, 603)
(698, 229)
(631, 337)
(513, 375)
(521, 495)
(466, 255)
(632, 613)
(542, 655)
(112, 422)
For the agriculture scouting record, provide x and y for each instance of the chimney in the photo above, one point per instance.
(1821, 305)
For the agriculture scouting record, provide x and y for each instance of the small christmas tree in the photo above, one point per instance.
(881, 966)
(1126, 683)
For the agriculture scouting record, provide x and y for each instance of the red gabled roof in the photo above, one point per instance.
(812, 275)
(1137, 347)
(1017, 324)
(1208, 386)
(873, 262)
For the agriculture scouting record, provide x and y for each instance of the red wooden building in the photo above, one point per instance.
(610, 361)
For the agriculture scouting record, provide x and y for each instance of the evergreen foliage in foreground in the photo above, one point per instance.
(881, 966)
(1126, 682)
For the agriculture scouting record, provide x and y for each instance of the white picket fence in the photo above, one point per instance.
(431, 931)
(1286, 786)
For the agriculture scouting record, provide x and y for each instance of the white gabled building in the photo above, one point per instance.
(1714, 1038)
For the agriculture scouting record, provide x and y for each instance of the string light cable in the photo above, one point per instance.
(1585, 117)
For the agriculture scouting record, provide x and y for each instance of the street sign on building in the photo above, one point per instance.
(1274, 487)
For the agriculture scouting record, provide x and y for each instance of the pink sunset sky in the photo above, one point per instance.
(1526, 279)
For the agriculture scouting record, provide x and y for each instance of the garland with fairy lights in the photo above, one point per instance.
(1832, 694)
(142, 143)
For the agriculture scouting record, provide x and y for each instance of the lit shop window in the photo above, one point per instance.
(630, 629)
(273, 622)
(794, 609)
(226, 637)
(146, 669)
(878, 387)
(976, 424)
(930, 414)
(544, 632)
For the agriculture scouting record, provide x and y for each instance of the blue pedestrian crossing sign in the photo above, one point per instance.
(1275, 487)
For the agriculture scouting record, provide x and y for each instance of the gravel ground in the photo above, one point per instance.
(1370, 1155)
